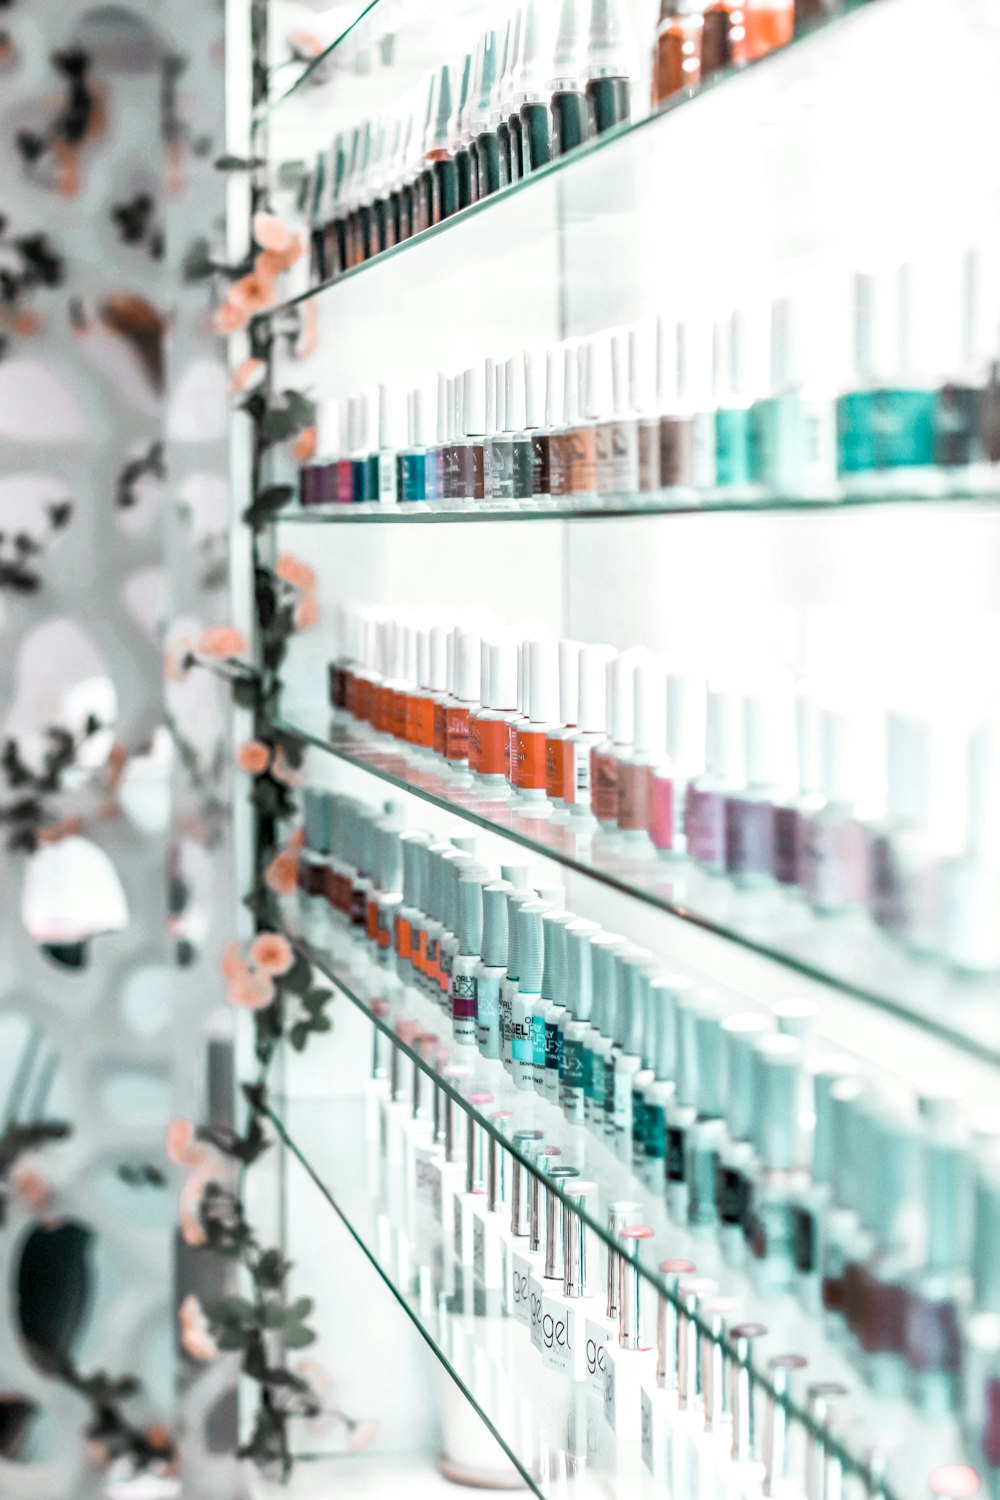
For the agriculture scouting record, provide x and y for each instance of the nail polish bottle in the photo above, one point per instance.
(457, 864)
(626, 1060)
(458, 140)
(968, 337)
(602, 1324)
(618, 438)
(549, 1271)
(440, 151)
(683, 761)
(718, 1469)
(580, 988)
(547, 1034)
(391, 440)
(532, 93)
(411, 462)
(611, 65)
(809, 11)
(770, 24)
(313, 860)
(413, 843)
(496, 449)
(334, 259)
(467, 152)
(396, 228)
(345, 467)
(387, 210)
(515, 1240)
(980, 1331)
(779, 1172)
(675, 344)
(594, 399)
(835, 858)
(970, 941)
(795, 425)
(470, 481)
(473, 1199)
(317, 202)
(644, 408)
(938, 1291)
(677, 60)
(600, 1041)
(431, 412)
(663, 994)
(750, 812)
(570, 110)
(540, 367)
(705, 808)
(425, 951)
(649, 735)
(682, 1107)
(502, 103)
(543, 711)
(558, 752)
(530, 956)
(466, 697)
(361, 209)
(345, 205)
(705, 1136)
(740, 372)
(903, 862)
(487, 144)
(591, 730)
(318, 480)
(733, 1173)
(606, 759)
(658, 1397)
(881, 1323)
(508, 986)
(492, 1207)
(562, 404)
(516, 423)
(685, 1432)
(462, 992)
(389, 896)
(488, 724)
(630, 1361)
(529, 1258)
(378, 184)
(566, 1304)
(432, 662)
(885, 426)
(814, 1202)
(491, 969)
(840, 1223)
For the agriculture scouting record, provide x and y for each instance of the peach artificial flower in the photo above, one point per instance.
(281, 771)
(98, 1455)
(304, 447)
(31, 1188)
(271, 953)
(26, 324)
(308, 341)
(271, 234)
(282, 874)
(270, 264)
(231, 963)
(229, 318)
(196, 1340)
(252, 294)
(253, 757)
(247, 375)
(304, 44)
(299, 574)
(307, 613)
(222, 640)
(54, 833)
(182, 1147)
(361, 1433)
(174, 657)
(250, 991)
(189, 1205)
(297, 840)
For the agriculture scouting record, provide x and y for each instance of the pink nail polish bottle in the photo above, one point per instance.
(751, 813)
(606, 759)
(835, 869)
(649, 735)
(591, 730)
(684, 760)
(723, 775)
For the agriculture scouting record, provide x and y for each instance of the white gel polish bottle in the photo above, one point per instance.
(630, 1361)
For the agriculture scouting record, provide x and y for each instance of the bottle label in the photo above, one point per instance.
(439, 729)
(463, 996)
(493, 744)
(487, 1003)
(387, 491)
(456, 742)
(596, 1361)
(655, 1133)
(675, 1153)
(661, 812)
(634, 787)
(555, 768)
(731, 1195)
(531, 761)
(513, 766)
(604, 786)
(404, 937)
(473, 743)
(706, 827)
(424, 722)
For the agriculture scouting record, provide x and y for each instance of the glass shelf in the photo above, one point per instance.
(847, 951)
(423, 514)
(356, 1181)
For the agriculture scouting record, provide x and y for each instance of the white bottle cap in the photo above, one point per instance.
(467, 666)
(567, 58)
(544, 689)
(620, 377)
(503, 673)
(611, 45)
(569, 680)
(531, 82)
(411, 636)
(808, 742)
(534, 386)
(571, 383)
(351, 444)
(984, 793)
(876, 325)
(423, 647)
(724, 734)
(500, 396)
(599, 402)
(770, 736)
(620, 687)
(908, 769)
(694, 369)
(642, 366)
(444, 402)
(591, 713)
(513, 68)
(421, 423)
(490, 378)
(686, 722)
(842, 754)
(649, 714)
(523, 677)
(391, 418)
(438, 658)
(329, 420)
(515, 414)
(749, 351)
(555, 386)
(485, 647)
(502, 86)
(668, 364)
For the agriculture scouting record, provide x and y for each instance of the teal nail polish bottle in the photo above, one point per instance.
(795, 427)
(885, 425)
(740, 378)
(962, 420)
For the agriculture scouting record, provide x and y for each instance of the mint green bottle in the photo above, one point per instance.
(795, 427)
(740, 379)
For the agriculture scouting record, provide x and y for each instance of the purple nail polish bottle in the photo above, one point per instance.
(835, 873)
(723, 775)
(751, 814)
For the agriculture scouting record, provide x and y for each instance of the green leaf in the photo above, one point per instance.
(232, 1338)
(230, 163)
(299, 1036)
(272, 1314)
(232, 1312)
(271, 1269)
(299, 1337)
(300, 1309)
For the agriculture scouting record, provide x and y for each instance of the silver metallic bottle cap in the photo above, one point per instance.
(554, 924)
(515, 900)
(718, 1316)
(781, 1372)
(524, 1143)
(986, 1234)
(826, 1077)
(544, 1160)
(822, 1401)
(497, 1162)
(580, 1200)
(710, 1064)
(621, 1215)
(413, 844)
(741, 1389)
(633, 974)
(629, 1286)
(604, 1012)
(557, 1180)
(686, 1065)
(672, 1273)
(691, 1294)
(470, 909)
(531, 946)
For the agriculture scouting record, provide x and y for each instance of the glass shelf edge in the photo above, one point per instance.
(981, 1051)
(558, 164)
